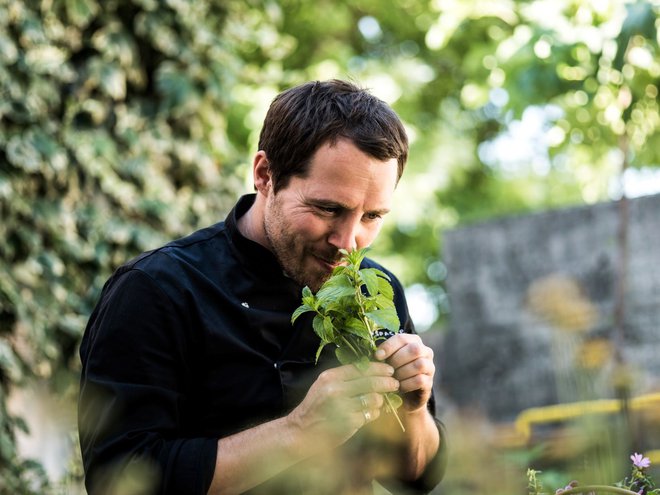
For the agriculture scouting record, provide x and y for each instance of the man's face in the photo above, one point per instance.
(339, 204)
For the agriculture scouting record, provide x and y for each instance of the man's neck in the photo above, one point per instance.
(250, 225)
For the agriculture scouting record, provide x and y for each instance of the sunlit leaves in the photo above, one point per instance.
(337, 287)
(109, 142)
(385, 318)
(357, 327)
(369, 277)
(81, 12)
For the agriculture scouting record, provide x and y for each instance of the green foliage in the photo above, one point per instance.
(593, 72)
(18, 475)
(638, 483)
(351, 306)
(111, 142)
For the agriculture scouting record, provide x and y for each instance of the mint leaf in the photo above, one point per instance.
(300, 310)
(383, 302)
(345, 355)
(308, 298)
(370, 278)
(395, 400)
(319, 350)
(358, 328)
(320, 329)
(385, 318)
(362, 364)
(335, 288)
(385, 288)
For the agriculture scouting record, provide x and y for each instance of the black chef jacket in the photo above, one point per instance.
(190, 343)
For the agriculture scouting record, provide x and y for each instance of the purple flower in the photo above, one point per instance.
(639, 461)
(572, 484)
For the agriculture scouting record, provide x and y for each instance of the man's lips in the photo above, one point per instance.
(330, 264)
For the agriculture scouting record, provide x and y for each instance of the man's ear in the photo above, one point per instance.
(261, 173)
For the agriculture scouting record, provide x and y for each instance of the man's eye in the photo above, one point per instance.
(373, 216)
(329, 209)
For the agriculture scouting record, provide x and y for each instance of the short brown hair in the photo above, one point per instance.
(303, 118)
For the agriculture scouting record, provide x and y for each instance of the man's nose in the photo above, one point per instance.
(345, 234)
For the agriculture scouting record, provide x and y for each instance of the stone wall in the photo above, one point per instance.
(532, 303)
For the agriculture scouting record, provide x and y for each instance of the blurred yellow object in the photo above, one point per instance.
(560, 300)
(595, 353)
(654, 456)
(563, 412)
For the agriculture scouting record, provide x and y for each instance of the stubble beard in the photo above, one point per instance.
(290, 254)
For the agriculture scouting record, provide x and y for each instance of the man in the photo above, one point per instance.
(195, 381)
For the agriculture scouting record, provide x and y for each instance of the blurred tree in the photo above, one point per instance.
(112, 139)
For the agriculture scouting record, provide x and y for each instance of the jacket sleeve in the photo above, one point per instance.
(436, 468)
(134, 385)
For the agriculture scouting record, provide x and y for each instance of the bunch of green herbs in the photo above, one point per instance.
(351, 307)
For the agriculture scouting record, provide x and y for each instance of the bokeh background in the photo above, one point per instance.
(126, 123)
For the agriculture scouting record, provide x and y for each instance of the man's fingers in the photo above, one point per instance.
(423, 383)
(352, 372)
(349, 381)
(371, 384)
(369, 406)
(402, 349)
(370, 401)
(416, 367)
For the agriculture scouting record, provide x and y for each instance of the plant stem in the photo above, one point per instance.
(348, 343)
(391, 408)
(359, 298)
(598, 488)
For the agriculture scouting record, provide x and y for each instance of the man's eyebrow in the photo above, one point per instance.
(329, 203)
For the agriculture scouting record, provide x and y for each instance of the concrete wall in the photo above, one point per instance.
(532, 301)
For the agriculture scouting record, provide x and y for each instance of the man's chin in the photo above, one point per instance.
(315, 282)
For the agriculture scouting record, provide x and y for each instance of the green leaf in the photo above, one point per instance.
(358, 328)
(344, 355)
(395, 400)
(343, 306)
(319, 327)
(113, 81)
(370, 278)
(81, 12)
(319, 350)
(299, 311)
(385, 318)
(329, 329)
(355, 257)
(382, 274)
(335, 288)
(384, 287)
(383, 302)
(362, 364)
(338, 270)
(308, 298)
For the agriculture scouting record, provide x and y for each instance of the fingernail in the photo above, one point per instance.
(390, 370)
(380, 354)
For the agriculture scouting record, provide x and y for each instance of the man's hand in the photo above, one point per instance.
(414, 368)
(342, 400)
